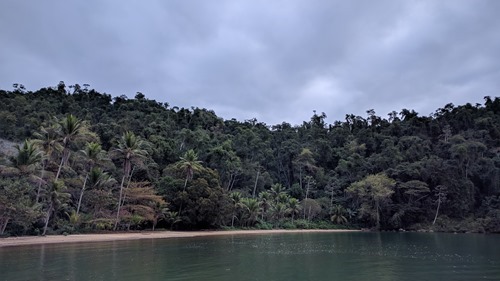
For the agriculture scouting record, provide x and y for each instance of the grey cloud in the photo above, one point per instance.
(273, 60)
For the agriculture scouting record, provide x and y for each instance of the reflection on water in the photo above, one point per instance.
(307, 256)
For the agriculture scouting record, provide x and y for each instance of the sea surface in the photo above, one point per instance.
(289, 256)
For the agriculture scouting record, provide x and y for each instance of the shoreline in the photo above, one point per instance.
(109, 237)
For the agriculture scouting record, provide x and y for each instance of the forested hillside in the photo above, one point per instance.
(89, 162)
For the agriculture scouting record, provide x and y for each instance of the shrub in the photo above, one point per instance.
(289, 225)
(263, 225)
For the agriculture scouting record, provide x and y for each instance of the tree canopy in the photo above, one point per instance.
(85, 161)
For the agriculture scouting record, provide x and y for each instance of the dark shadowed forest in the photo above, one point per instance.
(87, 162)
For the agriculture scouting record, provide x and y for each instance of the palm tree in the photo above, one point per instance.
(130, 149)
(172, 218)
(279, 211)
(236, 200)
(160, 212)
(96, 178)
(24, 163)
(252, 208)
(283, 198)
(94, 153)
(351, 214)
(57, 199)
(338, 213)
(189, 164)
(293, 207)
(14, 197)
(28, 157)
(264, 202)
(276, 189)
(46, 140)
(70, 128)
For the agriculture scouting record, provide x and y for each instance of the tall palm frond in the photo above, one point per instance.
(189, 164)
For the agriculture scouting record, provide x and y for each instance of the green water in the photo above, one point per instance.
(311, 256)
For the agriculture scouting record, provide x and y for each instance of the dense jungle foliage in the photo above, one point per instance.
(88, 162)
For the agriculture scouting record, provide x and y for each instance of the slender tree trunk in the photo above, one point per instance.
(307, 193)
(40, 184)
(377, 214)
(255, 185)
(3, 226)
(182, 201)
(185, 183)
(47, 218)
(331, 199)
(81, 195)
(308, 186)
(180, 208)
(124, 197)
(119, 202)
(229, 182)
(437, 209)
(121, 198)
(234, 177)
(64, 160)
(300, 177)
(60, 167)
(232, 180)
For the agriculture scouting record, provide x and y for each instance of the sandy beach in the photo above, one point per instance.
(77, 238)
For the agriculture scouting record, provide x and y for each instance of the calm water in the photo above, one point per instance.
(311, 256)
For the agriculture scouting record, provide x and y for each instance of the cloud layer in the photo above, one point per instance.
(273, 60)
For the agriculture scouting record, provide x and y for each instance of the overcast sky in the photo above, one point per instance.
(271, 60)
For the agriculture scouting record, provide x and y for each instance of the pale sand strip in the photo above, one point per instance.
(53, 239)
